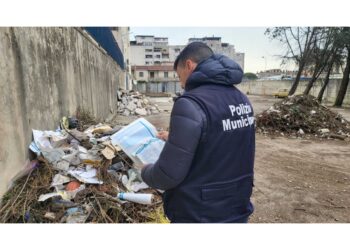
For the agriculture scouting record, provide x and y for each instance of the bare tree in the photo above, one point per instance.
(299, 43)
(344, 83)
(336, 60)
(326, 80)
(324, 47)
(345, 38)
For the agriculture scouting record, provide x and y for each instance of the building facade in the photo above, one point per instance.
(219, 47)
(152, 59)
(156, 79)
(174, 51)
(151, 50)
(154, 73)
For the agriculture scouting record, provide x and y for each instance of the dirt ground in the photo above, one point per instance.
(300, 181)
(296, 181)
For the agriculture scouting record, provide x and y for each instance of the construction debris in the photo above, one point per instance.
(134, 103)
(302, 116)
(79, 176)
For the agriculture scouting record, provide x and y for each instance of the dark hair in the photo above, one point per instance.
(196, 51)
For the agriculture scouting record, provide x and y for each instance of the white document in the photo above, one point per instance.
(46, 139)
(41, 140)
(138, 140)
(87, 175)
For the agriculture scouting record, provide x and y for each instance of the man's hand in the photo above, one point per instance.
(163, 135)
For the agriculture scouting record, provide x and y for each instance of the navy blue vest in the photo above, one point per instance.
(219, 184)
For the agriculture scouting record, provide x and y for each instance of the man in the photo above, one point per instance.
(206, 166)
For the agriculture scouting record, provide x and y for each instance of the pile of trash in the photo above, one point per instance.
(302, 116)
(80, 176)
(134, 103)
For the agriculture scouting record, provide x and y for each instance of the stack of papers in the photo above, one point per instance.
(138, 140)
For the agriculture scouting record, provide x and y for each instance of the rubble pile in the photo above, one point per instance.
(79, 176)
(302, 116)
(134, 103)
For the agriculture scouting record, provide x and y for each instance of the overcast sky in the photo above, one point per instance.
(249, 40)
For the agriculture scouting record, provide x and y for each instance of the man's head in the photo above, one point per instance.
(188, 59)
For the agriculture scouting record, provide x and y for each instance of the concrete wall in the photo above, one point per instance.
(259, 88)
(46, 73)
(271, 86)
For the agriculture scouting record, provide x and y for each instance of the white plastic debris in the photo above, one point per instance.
(134, 182)
(59, 179)
(44, 197)
(53, 155)
(137, 186)
(301, 132)
(66, 195)
(131, 185)
(146, 199)
(57, 139)
(272, 109)
(82, 150)
(324, 130)
(69, 195)
(62, 166)
(50, 216)
(76, 215)
(103, 139)
(34, 148)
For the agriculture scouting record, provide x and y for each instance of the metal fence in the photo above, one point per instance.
(105, 38)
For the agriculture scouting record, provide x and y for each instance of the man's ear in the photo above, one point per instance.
(190, 65)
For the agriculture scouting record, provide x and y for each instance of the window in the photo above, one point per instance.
(148, 50)
(156, 62)
(149, 56)
(165, 74)
(140, 74)
(157, 56)
(177, 50)
(151, 74)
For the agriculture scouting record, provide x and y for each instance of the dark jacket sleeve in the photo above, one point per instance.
(186, 124)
